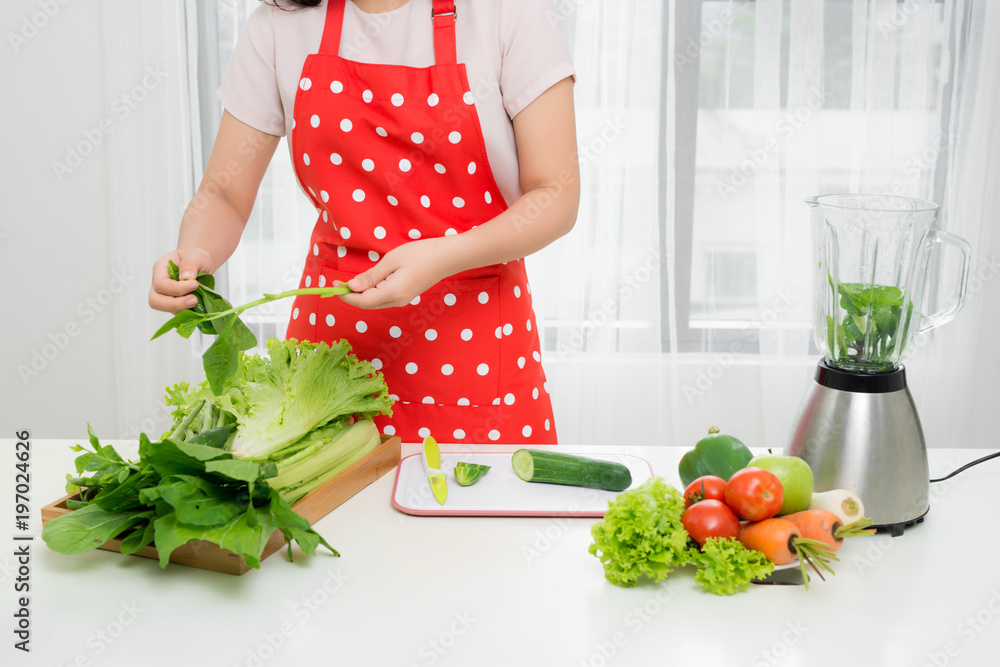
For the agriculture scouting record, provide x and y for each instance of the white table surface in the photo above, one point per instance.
(411, 590)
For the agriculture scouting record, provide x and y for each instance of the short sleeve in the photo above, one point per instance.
(249, 89)
(534, 56)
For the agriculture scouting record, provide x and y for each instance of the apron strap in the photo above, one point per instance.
(333, 26)
(444, 15)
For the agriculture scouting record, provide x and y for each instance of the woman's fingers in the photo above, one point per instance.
(362, 282)
(404, 273)
(170, 304)
(376, 297)
(380, 295)
(171, 295)
(374, 288)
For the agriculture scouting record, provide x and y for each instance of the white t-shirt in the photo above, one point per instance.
(514, 51)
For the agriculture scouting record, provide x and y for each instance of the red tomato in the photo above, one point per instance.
(754, 494)
(710, 518)
(707, 487)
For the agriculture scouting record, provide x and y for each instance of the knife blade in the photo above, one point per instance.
(432, 465)
(791, 576)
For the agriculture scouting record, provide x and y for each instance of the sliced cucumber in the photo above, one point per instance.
(467, 474)
(533, 465)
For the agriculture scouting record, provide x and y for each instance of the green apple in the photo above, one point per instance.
(796, 478)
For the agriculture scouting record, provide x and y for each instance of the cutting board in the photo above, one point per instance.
(500, 492)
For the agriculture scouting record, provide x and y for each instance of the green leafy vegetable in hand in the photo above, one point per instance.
(642, 534)
(725, 566)
(211, 302)
(214, 315)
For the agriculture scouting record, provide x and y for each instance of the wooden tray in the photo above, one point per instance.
(313, 506)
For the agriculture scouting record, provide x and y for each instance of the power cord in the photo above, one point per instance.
(967, 466)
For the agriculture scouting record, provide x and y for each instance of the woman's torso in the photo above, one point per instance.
(513, 51)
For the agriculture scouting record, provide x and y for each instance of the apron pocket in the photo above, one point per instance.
(443, 348)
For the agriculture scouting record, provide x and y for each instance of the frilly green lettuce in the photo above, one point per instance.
(641, 534)
(725, 566)
(278, 399)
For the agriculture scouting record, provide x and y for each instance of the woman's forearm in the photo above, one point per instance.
(535, 220)
(550, 179)
(215, 218)
(211, 224)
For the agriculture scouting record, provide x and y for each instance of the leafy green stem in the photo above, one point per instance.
(855, 528)
(817, 555)
(221, 359)
(178, 433)
(267, 298)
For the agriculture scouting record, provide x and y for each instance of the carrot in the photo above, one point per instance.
(782, 542)
(775, 538)
(817, 525)
(826, 527)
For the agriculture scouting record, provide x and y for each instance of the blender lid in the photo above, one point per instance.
(885, 203)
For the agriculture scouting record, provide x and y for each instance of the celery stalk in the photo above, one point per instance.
(310, 467)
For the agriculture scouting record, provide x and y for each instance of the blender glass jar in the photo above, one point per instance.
(871, 256)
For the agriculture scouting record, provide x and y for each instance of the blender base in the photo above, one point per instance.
(860, 432)
(896, 529)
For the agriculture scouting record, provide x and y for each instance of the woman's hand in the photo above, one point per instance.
(172, 295)
(403, 273)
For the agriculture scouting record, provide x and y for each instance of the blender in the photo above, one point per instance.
(858, 428)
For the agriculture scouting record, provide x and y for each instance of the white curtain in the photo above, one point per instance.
(954, 372)
(683, 297)
(272, 251)
(151, 164)
(178, 50)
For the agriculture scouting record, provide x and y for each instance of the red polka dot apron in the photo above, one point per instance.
(390, 154)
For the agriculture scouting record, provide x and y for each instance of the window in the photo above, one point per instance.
(702, 127)
(273, 249)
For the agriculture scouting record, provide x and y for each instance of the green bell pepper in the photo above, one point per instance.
(715, 454)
